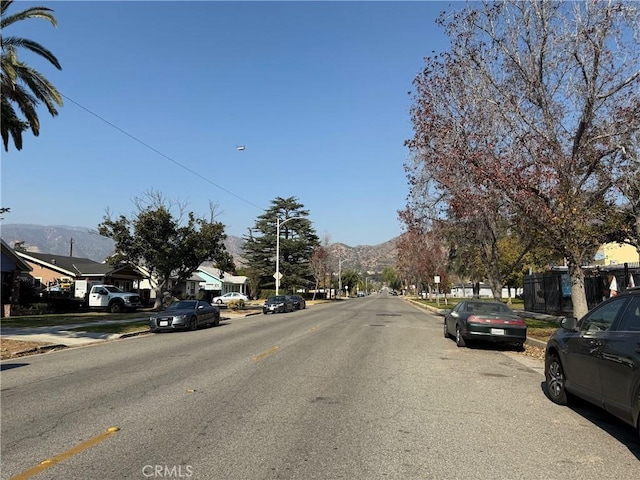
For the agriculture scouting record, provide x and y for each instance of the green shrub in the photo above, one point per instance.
(235, 304)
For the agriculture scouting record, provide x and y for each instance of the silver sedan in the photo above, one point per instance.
(185, 314)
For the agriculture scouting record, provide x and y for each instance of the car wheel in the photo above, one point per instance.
(219, 302)
(446, 332)
(216, 322)
(116, 307)
(193, 324)
(459, 340)
(519, 346)
(556, 381)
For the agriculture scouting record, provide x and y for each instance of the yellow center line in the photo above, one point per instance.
(265, 354)
(50, 462)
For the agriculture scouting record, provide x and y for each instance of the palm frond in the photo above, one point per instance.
(11, 126)
(35, 47)
(32, 12)
(23, 88)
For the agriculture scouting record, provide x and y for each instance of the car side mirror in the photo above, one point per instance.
(569, 323)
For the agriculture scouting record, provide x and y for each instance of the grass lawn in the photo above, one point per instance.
(68, 319)
(452, 302)
(540, 329)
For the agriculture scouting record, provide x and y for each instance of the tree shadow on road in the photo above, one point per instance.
(621, 431)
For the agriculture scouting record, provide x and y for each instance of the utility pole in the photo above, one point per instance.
(278, 275)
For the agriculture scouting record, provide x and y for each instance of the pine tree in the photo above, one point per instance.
(297, 242)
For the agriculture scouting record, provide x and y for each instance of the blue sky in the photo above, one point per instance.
(317, 92)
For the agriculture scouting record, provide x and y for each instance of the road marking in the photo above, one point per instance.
(265, 354)
(313, 329)
(50, 462)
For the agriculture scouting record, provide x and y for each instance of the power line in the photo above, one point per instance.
(133, 137)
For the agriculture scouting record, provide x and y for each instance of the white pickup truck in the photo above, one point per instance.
(112, 299)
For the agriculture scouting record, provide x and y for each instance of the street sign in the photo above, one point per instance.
(277, 276)
(436, 279)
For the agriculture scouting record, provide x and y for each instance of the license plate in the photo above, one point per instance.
(163, 323)
(497, 331)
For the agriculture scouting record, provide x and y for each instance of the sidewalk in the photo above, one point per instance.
(65, 335)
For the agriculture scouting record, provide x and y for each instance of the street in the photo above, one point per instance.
(360, 389)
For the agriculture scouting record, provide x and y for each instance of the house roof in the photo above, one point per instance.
(13, 257)
(235, 279)
(221, 276)
(74, 266)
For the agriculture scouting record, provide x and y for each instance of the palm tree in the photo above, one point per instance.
(23, 88)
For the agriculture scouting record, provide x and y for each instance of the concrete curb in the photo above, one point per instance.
(41, 349)
(536, 343)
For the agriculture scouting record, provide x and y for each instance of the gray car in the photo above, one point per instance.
(472, 320)
(278, 304)
(185, 315)
(598, 358)
(299, 303)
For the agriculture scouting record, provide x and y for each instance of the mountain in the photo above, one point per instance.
(86, 243)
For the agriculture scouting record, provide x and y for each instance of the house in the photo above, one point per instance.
(206, 282)
(13, 267)
(466, 291)
(48, 269)
(616, 254)
(215, 282)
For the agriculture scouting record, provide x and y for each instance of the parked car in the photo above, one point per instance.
(228, 297)
(598, 358)
(185, 314)
(278, 304)
(473, 320)
(299, 303)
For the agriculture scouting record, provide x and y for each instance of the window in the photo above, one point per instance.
(602, 318)
(630, 321)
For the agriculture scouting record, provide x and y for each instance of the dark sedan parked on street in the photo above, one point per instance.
(598, 358)
(473, 320)
(278, 304)
(185, 314)
(299, 303)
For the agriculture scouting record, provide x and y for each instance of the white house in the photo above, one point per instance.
(466, 291)
(212, 281)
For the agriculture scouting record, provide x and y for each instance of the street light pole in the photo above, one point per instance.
(277, 275)
(340, 260)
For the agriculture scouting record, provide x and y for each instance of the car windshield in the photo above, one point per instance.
(183, 305)
(277, 298)
(113, 289)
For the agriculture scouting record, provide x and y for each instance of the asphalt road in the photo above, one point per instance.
(363, 389)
